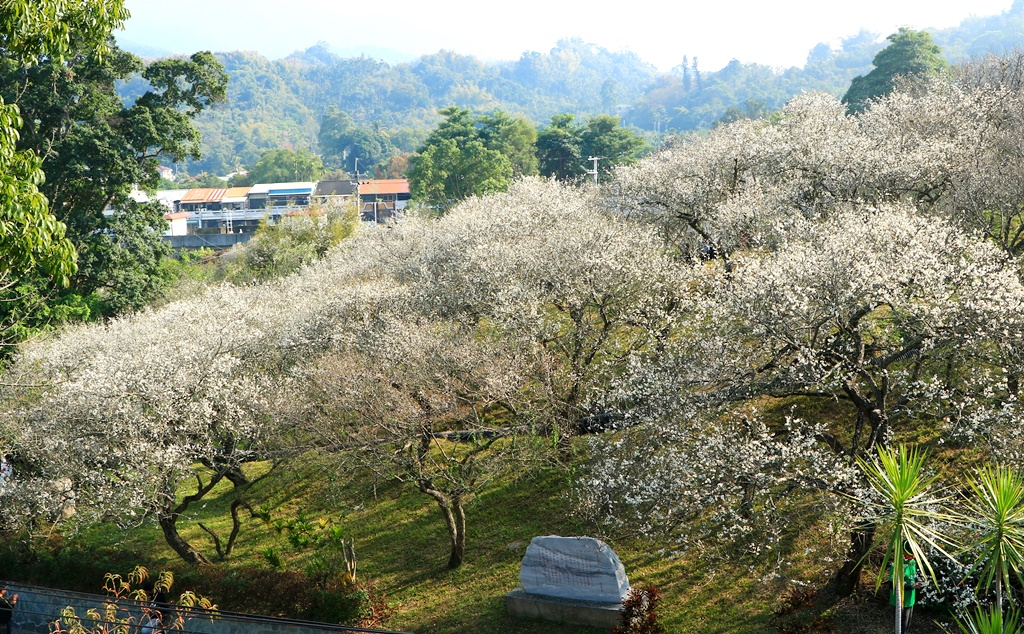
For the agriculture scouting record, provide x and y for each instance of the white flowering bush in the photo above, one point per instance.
(893, 312)
(122, 411)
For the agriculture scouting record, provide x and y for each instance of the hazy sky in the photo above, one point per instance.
(778, 33)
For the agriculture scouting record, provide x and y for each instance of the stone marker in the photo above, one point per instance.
(570, 579)
(573, 568)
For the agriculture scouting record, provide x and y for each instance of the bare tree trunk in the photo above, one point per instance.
(169, 525)
(459, 539)
(454, 519)
(845, 581)
(170, 512)
(224, 551)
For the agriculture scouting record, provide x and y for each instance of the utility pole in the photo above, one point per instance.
(595, 159)
(359, 207)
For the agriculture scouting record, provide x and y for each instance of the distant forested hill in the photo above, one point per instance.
(279, 103)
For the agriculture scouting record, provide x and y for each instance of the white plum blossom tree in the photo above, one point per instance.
(425, 404)
(868, 260)
(485, 327)
(123, 411)
(545, 266)
(876, 310)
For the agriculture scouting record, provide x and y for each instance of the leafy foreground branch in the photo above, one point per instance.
(135, 602)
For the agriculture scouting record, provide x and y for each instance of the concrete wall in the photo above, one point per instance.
(211, 240)
(38, 607)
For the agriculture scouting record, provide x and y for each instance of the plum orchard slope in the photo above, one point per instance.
(843, 269)
(486, 322)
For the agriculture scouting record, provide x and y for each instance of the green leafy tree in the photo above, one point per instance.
(565, 146)
(283, 248)
(284, 166)
(446, 172)
(454, 163)
(202, 179)
(515, 137)
(343, 142)
(30, 29)
(910, 53)
(32, 240)
(603, 137)
(95, 150)
(559, 149)
(750, 109)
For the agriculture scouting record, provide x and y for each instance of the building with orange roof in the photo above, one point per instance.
(383, 199)
(235, 198)
(202, 199)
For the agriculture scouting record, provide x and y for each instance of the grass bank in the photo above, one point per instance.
(402, 547)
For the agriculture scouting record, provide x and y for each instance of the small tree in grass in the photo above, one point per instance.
(903, 511)
(432, 406)
(997, 513)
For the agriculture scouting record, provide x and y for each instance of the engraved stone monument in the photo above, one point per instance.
(570, 579)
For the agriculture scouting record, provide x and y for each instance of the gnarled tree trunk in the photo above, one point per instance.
(845, 580)
(169, 525)
(454, 518)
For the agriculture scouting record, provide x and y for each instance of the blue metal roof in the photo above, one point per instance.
(289, 192)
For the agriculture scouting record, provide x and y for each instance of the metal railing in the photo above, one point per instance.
(37, 608)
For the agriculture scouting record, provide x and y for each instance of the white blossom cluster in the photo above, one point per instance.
(712, 484)
(540, 265)
(952, 147)
(505, 317)
(851, 261)
(122, 410)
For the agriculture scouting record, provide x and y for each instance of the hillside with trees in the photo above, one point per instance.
(284, 103)
(777, 350)
(771, 363)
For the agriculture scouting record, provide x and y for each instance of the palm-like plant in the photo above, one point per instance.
(997, 509)
(991, 621)
(904, 511)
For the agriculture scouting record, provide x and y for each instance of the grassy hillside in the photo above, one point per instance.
(401, 545)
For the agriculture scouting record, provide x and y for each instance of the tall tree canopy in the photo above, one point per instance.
(565, 147)
(32, 240)
(284, 166)
(455, 162)
(515, 137)
(95, 149)
(559, 149)
(909, 53)
(343, 142)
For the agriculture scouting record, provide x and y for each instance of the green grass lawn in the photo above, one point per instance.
(402, 547)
